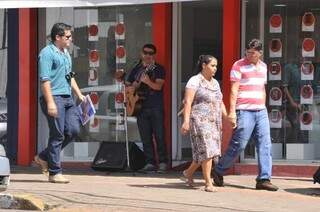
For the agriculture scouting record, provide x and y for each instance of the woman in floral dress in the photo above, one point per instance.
(203, 110)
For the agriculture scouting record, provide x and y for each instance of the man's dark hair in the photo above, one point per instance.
(150, 46)
(58, 29)
(255, 44)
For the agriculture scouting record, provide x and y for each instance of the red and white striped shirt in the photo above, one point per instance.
(252, 79)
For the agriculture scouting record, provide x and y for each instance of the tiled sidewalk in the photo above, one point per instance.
(102, 191)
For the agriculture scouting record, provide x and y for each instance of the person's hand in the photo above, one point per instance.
(81, 97)
(52, 109)
(233, 119)
(130, 89)
(185, 128)
(145, 79)
(296, 106)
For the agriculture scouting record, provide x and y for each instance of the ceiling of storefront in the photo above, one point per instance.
(76, 3)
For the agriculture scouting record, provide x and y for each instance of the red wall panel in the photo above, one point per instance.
(27, 85)
(162, 37)
(231, 53)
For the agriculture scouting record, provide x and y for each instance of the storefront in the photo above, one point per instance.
(291, 50)
(107, 39)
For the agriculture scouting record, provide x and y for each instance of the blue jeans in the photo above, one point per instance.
(255, 123)
(62, 130)
(150, 122)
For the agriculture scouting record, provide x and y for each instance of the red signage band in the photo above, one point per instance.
(93, 30)
(120, 52)
(119, 97)
(275, 45)
(306, 91)
(308, 44)
(275, 21)
(275, 94)
(274, 68)
(94, 97)
(120, 29)
(307, 68)
(94, 56)
(308, 19)
(306, 118)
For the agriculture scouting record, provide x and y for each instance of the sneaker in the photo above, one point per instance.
(266, 185)
(58, 178)
(162, 167)
(217, 179)
(149, 167)
(43, 165)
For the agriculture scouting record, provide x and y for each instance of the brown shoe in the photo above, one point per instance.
(58, 178)
(217, 178)
(266, 185)
(43, 165)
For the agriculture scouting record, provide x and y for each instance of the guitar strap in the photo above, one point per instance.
(150, 72)
(139, 72)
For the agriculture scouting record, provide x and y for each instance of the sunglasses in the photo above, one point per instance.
(148, 52)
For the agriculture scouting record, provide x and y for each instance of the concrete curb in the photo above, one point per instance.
(22, 202)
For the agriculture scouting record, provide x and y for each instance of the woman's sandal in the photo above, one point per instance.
(188, 180)
(210, 188)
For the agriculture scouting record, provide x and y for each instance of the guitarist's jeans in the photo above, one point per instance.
(150, 122)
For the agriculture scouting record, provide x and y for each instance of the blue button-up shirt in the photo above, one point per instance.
(53, 66)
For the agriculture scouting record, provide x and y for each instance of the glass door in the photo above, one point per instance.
(197, 29)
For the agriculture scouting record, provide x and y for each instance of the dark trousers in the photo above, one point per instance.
(150, 122)
(62, 130)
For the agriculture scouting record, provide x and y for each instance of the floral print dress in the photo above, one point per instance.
(205, 118)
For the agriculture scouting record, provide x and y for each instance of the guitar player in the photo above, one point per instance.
(149, 76)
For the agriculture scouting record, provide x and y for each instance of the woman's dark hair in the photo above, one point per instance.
(58, 29)
(204, 59)
(254, 44)
(150, 46)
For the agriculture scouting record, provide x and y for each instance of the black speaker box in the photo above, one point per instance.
(112, 156)
(316, 176)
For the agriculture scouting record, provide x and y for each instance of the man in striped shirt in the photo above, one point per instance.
(249, 116)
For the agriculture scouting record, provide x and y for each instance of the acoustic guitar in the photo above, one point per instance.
(136, 96)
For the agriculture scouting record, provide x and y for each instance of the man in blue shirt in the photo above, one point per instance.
(147, 78)
(57, 103)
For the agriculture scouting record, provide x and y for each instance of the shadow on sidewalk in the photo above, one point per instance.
(28, 181)
(305, 191)
(90, 172)
(178, 185)
(182, 185)
(239, 186)
(294, 179)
